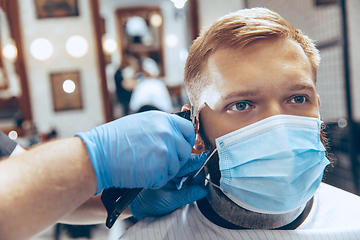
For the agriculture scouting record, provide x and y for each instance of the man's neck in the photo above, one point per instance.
(217, 206)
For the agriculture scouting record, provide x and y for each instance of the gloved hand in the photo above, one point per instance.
(152, 202)
(142, 150)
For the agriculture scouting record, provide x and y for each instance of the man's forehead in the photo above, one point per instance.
(268, 48)
(255, 66)
(262, 54)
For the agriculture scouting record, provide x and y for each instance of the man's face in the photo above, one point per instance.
(266, 78)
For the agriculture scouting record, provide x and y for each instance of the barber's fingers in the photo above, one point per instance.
(173, 166)
(193, 164)
(162, 201)
(186, 128)
(184, 134)
(190, 194)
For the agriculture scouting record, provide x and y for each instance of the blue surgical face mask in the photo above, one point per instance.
(273, 166)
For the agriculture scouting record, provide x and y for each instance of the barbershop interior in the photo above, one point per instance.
(67, 66)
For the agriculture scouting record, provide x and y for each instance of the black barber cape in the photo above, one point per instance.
(7, 145)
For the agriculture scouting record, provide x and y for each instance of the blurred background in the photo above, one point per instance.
(69, 65)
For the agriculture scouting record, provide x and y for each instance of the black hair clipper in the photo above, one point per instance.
(116, 200)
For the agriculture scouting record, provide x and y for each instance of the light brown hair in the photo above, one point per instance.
(234, 31)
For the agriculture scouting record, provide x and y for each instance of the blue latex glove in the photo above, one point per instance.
(142, 150)
(152, 202)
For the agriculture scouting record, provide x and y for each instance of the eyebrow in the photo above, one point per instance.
(303, 86)
(255, 92)
(242, 94)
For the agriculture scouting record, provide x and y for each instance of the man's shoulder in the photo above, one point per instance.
(175, 225)
(331, 191)
(333, 208)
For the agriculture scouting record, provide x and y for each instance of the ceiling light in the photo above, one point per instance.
(69, 86)
(110, 45)
(77, 46)
(342, 122)
(179, 3)
(13, 135)
(156, 20)
(10, 51)
(41, 49)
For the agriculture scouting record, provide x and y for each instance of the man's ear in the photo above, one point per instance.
(199, 144)
(318, 100)
(185, 107)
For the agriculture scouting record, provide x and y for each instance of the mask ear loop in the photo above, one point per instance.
(213, 184)
(207, 177)
(205, 163)
(186, 178)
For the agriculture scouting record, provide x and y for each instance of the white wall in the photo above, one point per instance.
(211, 10)
(58, 30)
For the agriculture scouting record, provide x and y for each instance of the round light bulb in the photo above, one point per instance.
(179, 3)
(156, 20)
(110, 45)
(41, 49)
(77, 46)
(172, 40)
(69, 86)
(342, 122)
(13, 135)
(10, 51)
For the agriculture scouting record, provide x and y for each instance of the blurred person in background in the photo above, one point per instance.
(125, 81)
(150, 93)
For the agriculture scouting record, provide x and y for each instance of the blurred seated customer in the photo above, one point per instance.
(150, 93)
(147, 108)
(136, 29)
(125, 81)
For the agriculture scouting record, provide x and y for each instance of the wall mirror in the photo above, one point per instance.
(140, 32)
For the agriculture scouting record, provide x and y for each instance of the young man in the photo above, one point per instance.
(251, 78)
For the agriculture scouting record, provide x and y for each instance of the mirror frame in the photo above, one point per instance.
(120, 13)
(11, 8)
(99, 29)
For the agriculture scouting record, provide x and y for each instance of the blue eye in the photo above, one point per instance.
(298, 99)
(240, 106)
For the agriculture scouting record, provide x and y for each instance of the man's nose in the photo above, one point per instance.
(271, 109)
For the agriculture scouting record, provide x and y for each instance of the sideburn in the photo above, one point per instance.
(325, 141)
(213, 164)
